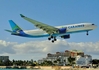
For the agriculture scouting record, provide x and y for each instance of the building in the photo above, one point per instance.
(85, 60)
(58, 56)
(74, 53)
(4, 58)
(62, 57)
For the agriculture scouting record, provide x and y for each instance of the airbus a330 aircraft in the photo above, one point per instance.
(50, 31)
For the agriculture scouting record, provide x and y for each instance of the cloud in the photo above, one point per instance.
(44, 47)
(88, 47)
(7, 47)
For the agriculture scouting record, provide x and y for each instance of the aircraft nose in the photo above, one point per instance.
(95, 26)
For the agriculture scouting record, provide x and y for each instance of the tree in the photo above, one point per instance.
(8, 63)
(71, 60)
(1, 63)
(55, 62)
(47, 63)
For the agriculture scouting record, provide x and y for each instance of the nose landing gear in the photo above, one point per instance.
(87, 33)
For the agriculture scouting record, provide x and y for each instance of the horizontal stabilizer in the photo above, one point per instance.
(8, 30)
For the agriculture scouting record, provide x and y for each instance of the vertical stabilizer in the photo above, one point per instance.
(14, 26)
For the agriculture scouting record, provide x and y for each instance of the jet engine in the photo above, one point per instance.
(62, 30)
(65, 36)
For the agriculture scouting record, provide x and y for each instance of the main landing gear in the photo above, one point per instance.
(52, 37)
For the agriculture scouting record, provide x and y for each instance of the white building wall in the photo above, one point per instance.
(83, 60)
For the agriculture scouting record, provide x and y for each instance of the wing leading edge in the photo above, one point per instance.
(49, 29)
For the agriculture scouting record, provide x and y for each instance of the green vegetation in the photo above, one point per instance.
(18, 63)
(95, 63)
(46, 63)
(71, 60)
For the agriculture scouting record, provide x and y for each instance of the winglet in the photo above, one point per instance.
(22, 15)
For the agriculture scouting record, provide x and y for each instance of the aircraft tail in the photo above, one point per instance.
(16, 30)
(14, 26)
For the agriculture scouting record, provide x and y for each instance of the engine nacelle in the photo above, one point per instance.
(65, 36)
(62, 30)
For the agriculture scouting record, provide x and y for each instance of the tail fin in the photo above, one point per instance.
(14, 26)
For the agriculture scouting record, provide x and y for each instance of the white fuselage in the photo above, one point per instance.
(73, 28)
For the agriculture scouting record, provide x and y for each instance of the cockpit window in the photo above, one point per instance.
(93, 24)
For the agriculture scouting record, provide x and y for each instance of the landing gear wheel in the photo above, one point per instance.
(52, 41)
(55, 39)
(49, 38)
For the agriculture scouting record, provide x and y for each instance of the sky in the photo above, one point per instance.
(51, 12)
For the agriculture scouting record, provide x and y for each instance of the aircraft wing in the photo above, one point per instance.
(49, 29)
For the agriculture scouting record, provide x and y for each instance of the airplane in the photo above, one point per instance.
(49, 31)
